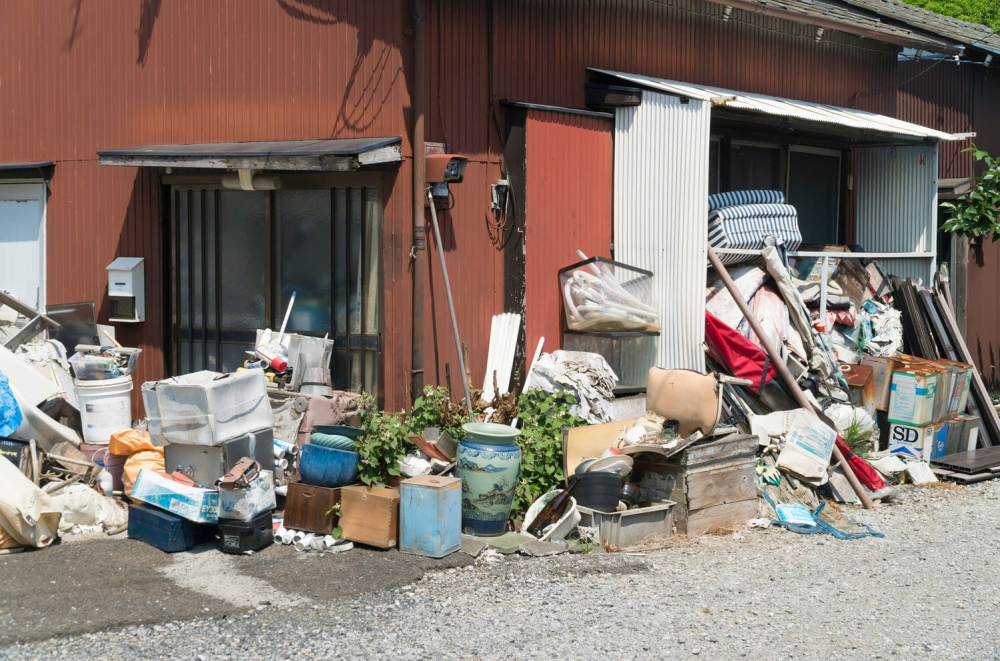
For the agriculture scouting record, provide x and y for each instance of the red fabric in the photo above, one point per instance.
(867, 475)
(741, 357)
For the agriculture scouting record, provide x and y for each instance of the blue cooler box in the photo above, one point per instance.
(166, 531)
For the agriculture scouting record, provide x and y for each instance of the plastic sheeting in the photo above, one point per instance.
(27, 513)
(586, 375)
(10, 412)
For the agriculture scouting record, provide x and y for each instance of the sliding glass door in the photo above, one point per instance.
(238, 256)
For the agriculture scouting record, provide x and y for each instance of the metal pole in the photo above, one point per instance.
(451, 303)
(786, 375)
(418, 252)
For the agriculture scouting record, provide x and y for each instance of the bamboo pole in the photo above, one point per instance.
(786, 375)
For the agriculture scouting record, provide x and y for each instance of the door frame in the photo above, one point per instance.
(42, 231)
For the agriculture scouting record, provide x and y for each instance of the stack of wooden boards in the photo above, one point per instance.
(932, 333)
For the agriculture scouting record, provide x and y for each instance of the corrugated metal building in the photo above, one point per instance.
(88, 77)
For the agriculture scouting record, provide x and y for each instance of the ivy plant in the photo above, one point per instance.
(976, 213)
(383, 444)
(435, 409)
(543, 417)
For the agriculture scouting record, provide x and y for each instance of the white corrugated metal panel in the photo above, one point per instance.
(897, 205)
(771, 105)
(661, 214)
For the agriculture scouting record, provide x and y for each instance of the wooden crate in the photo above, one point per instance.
(714, 484)
(370, 515)
(308, 508)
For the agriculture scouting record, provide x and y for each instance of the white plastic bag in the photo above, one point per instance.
(27, 513)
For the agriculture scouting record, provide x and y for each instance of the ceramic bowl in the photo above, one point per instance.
(585, 464)
(326, 467)
(620, 464)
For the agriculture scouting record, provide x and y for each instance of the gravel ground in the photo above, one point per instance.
(929, 590)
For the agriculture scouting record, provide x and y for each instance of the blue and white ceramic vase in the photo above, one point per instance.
(489, 465)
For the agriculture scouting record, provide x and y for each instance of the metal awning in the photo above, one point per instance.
(27, 170)
(342, 155)
(950, 189)
(858, 122)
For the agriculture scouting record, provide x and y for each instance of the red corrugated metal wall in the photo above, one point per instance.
(78, 77)
(941, 95)
(960, 99)
(570, 160)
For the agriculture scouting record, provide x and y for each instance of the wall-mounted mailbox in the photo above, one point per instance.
(127, 290)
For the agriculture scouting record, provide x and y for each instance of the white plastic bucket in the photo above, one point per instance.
(105, 407)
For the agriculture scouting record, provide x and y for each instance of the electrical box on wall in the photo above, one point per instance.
(127, 290)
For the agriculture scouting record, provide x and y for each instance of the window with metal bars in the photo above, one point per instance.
(237, 257)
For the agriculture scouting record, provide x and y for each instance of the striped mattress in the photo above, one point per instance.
(749, 218)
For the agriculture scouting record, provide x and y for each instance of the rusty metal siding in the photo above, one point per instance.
(661, 214)
(941, 95)
(567, 208)
(897, 206)
(541, 51)
(79, 77)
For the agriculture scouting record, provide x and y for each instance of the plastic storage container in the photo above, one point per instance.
(207, 408)
(630, 355)
(105, 407)
(430, 515)
(631, 527)
(243, 536)
(167, 532)
(601, 295)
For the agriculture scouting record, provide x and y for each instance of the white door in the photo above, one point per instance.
(22, 242)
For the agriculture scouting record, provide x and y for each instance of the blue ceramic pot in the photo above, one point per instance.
(326, 467)
(489, 465)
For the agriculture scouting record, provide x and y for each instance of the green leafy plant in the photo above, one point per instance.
(335, 511)
(383, 444)
(976, 213)
(435, 409)
(543, 417)
(985, 12)
(858, 436)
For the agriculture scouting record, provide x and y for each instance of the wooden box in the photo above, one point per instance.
(308, 508)
(714, 484)
(370, 515)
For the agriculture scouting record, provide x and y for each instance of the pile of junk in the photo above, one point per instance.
(829, 380)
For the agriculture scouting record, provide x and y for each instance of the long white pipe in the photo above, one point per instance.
(288, 313)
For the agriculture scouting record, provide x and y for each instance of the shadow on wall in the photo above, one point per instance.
(147, 21)
(361, 113)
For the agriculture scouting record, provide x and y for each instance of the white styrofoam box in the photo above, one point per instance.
(915, 441)
(192, 503)
(207, 408)
(912, 399)
(245, 504)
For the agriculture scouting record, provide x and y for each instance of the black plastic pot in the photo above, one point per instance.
(597, 491)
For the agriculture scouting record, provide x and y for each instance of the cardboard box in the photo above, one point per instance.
(882, 369)
(915, 441)
(911, 401)
(192, 503)
(962, 383)
(247, 504)
(370, 515)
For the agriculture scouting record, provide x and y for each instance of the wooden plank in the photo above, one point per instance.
(737, 444)
(990, 429)
(972, 479)
(721, 486)
(719, 518)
